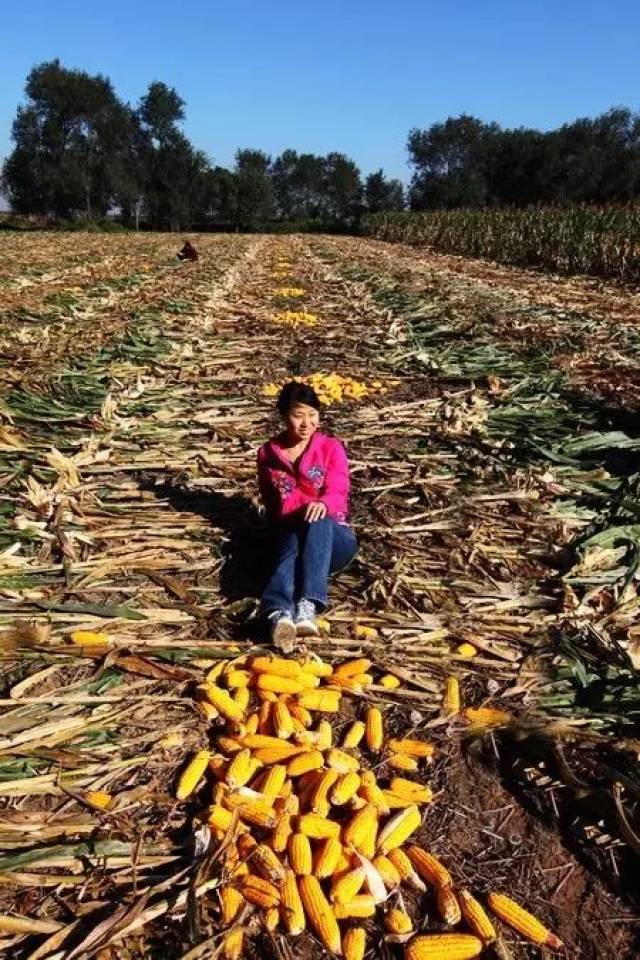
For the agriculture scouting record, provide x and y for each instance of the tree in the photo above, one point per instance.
(220, 200)
(161, 110)
(255, 189)
(450, 163)
(341, 189)
(381, 194)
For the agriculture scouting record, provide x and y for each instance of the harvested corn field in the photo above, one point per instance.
(477, 667)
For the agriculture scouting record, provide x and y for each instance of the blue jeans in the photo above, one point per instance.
(306, 554)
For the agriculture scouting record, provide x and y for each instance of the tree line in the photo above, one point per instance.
(81, 152)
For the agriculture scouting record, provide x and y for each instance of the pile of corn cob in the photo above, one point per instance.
(307, 833)
(332, 388)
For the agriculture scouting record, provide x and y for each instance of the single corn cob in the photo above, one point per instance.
(291, 904)
(273, 683)
(265, 726)
(317, 667)
(476, 917)
(229, 745)
(372, 793)
(521, 920)
(241, 769)
(319, 913)
(400, 761)
(407, 788)
(451, 699)
(398, 921)
(275, 665)
(411, 748)
(360, 907)
(326, 858)
(192, 774)
(233, 945)
(318, 828)
(214, 673)
(300, 857)
(224, 702)
(305, 763)
(389, 681)
(466, 650)
(354, 735)
(323, 701)
(251, 726)
(358, 830)
(405, 868)
(364, 679)
(341, 761)
(324, 735)
(318, 801)
(347, 885)
(448, 906)
(237, 678)
(283, 752)
(219, 818)
(242, 697)
(339, 684)
(267, 696)
(231, 903)
(305, 788)
(398, 829)
(265, 862)
(374, 732)
(354, 943)
(443, 946)
(345, 862)
(299, 713)
(429, 867)
(389, 873)
(99, 799)
(272, 781)
(256, 813)
(271, 918)
(287, 788)
(487, 716)
(257, 890)
(395, 801)
(351, 667)
(283, 829)
(365, 633)
(345, 788)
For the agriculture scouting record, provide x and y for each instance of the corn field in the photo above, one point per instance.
(599, 241)
(451, 767)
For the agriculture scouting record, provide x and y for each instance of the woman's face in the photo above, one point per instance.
(302, 422)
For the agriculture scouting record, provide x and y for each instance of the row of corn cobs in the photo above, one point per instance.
(310, 836)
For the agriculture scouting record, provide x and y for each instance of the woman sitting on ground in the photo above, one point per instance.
(304, 483)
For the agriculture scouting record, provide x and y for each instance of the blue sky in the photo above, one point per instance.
(344, 75)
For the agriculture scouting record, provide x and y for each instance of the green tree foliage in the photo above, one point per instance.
(254, 188)
(381, 194)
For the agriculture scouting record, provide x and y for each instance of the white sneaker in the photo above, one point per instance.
(306, 625)
(283, 630)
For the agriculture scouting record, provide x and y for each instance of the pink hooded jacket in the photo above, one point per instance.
(321, 474)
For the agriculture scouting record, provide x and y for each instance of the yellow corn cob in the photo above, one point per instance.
(98, 799)
(299, 713)
(323, 701)
(398, 829)
(319, 913)
(358, 831)
(476, 917)
(285, 751)
(360, 907)
(372, 793)
(273, 683)
(317, 667)
(345, 788)
(345, 862)
(443, 946)
(347, 885)
(87, 638)
(264, 718)
(275, 665)
(318, 801)
(304, 763)
(267, 696)
(283, 830)
(411, 748)
(400, 761)
(354, 734)
(233, 944)
(405, 868)
(409, 789)
(451, 698)
(299, 850)
(352, 684)
(241, 769)
(365, 633)
(282, 720)
(324, 737)
(326, 858)
(398, 921)
(389, 681)
(487, 716)
(214, 673)
(521, 920)
(231, 903)
(256, 813)
(229, 745)
(364, 679)
(389, 873)
(395, 801)
(219, 818)
(291, 904)
(251, 726)
(192, 774)
(271, 918)
(237, 678)
(351, 667)
(466, 650)
(242, 697)
(257, 890)
(374, 734)
(341, 761)
(223, 702)
(429, 867)
(272, 781)
(287, 788)
(354, 943)
(316, 827)
(264, 861)
(448, 906)
(258, 741)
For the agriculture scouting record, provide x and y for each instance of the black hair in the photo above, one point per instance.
(293, 393)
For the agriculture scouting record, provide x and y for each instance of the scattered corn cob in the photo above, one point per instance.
(388, 871)
(354, 735)
(429, 867)
(341, 761)
(359, 907)
(304, 763)
(233, 945)
(487, 716)
(443, 946)
(360, 827)
(476, 918)
(389, 681)
(521, 920)
(277, 754)
(318, 828)
(272, 781)
(223, 702)
(374, 733)
(466, 650)
(241, 697)
(354, 943)
(405, 868)
(192, 774)
(451, 699)
(274, 683)
(324, 735)
(283, 830)
(257, 890)
(324, 701)
(241, 769)
(398, 829)
(347, 885)
(291, 904)
(407, 788)
(411, 748)
(231, 903)
(345, 788)
(237, 678)
(398, 921)
(319, 913)
(271, 918)
(100, 799)
(351, 667)
(448, 906)
(300, 856)
(403, 763)
(282, 720)
(372, 793)
(326, 858)
(319, 802)
(275, 665)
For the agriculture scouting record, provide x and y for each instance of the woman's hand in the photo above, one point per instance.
(315, 511)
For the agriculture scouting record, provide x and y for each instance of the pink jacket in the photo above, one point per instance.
(321, 474)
